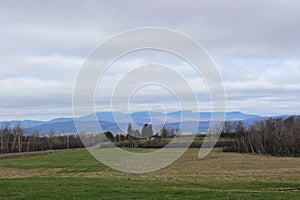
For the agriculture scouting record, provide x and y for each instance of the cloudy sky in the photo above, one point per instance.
(254, 44)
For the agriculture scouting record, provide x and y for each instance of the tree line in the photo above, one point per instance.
(13, 139)
(274, 136)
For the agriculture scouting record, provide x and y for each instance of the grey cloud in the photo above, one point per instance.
(256, 28)
(254, 43)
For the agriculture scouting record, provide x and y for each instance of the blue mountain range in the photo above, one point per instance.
(117, 122)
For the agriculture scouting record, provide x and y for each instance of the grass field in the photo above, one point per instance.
(75, 174)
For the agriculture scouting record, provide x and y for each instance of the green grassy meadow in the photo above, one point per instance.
(75, 174)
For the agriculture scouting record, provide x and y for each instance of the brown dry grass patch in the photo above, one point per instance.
(25, 173)
(223, 166)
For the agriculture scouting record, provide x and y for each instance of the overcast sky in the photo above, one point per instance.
(255, 45)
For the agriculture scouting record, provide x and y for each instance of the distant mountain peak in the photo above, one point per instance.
(118, 121)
